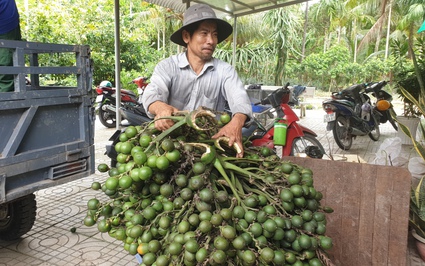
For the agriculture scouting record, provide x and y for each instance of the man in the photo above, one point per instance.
(195, 78)
(9, 30)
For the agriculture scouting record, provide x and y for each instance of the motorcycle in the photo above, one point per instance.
(106, 103)
(294, 140)
(136, 114)
(350, 113)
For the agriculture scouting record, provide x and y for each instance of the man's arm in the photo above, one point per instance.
(161, 109)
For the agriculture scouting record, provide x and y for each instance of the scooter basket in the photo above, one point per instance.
(259, 108)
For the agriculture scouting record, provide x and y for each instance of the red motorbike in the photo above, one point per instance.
(283, 131)
(106, 100)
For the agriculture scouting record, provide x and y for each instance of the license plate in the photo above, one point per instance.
(329, 117)
(99, 98)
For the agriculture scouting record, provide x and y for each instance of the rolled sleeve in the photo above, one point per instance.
(157, 89)
(236, 95)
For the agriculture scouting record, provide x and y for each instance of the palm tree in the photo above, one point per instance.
(413, 16)
(375, 32)
(332, 9)
(285, 24)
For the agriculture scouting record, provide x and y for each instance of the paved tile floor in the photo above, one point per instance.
(51, 242)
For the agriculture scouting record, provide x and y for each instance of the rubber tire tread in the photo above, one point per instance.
(337, 140)
(103, 121)
(377, 129)
(310, 137)
(22, 213)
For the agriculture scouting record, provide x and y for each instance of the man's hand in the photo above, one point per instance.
(233, 130)
(161, 109)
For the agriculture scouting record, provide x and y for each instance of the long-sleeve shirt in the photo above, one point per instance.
(175, 83)
(9, 16)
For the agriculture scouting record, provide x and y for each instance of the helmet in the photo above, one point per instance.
(383, 105)
(106, 84)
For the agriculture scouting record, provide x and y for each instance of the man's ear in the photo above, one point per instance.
(185, 36)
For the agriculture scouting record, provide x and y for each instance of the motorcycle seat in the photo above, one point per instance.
(129, 92)
(344, 100)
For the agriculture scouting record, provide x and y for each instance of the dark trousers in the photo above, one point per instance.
(6, 59)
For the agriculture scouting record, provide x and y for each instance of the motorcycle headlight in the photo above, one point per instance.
(383, 105)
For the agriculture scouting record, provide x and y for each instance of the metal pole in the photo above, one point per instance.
(117, 63)
(235, 35)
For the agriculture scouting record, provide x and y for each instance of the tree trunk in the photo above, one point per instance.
(280, 66)
(305, 30)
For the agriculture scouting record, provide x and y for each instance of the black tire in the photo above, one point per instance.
(299, 145)
(107, 119)
(375, 133)
(342, 136)
(19, 219)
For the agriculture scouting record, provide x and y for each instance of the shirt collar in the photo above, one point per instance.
(183, 63)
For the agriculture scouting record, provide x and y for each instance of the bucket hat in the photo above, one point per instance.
(200, 12)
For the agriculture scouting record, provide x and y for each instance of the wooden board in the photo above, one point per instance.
(369, 225)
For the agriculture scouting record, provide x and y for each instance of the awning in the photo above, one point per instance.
(233, 8)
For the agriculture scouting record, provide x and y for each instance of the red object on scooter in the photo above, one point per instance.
(141, 82)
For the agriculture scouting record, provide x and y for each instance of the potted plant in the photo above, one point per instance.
(408, 87)
(417, 199)
(417, 216)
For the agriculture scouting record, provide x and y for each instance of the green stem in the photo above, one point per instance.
(236, 183)
(219, 167)
(230, 166)
(181, 122)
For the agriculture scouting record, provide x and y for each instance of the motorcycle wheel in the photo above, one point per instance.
(375, 133)
(299, 145)
(107, 119)
(391, 114)
(17, 217)
(342, 136)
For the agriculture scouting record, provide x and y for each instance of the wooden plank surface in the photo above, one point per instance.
(367, 211)
(369, 225)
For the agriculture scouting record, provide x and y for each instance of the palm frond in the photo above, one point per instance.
(372, 33)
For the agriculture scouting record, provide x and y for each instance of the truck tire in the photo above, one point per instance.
(17, 217)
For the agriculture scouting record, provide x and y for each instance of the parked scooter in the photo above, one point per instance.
(131, 108)
(106, 102)
(351, 113)
(136, 114)
(283, 130)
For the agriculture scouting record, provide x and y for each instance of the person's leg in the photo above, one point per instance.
(6, 59)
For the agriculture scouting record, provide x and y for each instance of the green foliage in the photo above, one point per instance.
(417, 208)
(335, 69)
(254, 62)
(269, 44)
(406, 76)
(415, 98)
(92, 23)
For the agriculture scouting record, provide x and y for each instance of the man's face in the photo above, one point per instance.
(203, 41)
